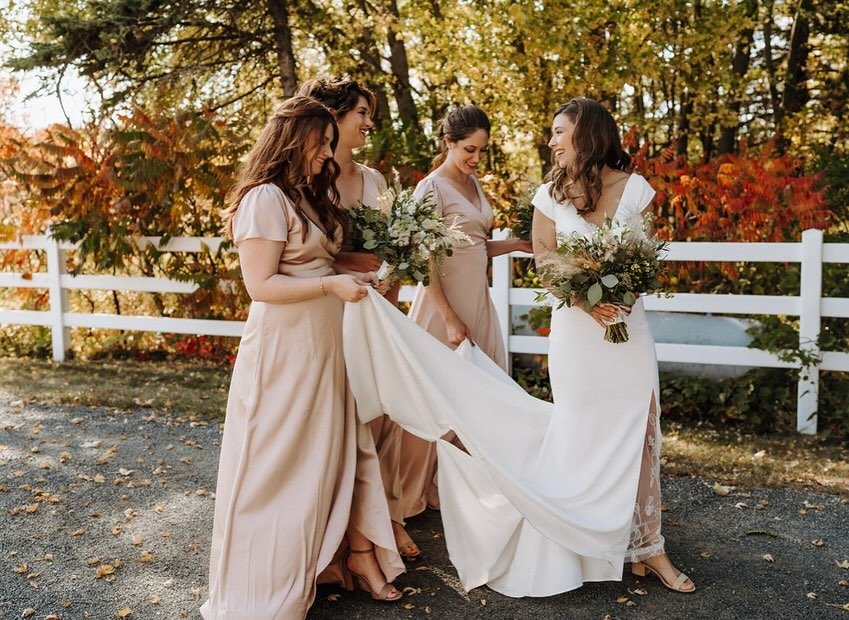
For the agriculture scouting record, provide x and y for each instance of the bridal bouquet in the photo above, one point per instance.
(613, 265)
(405, 233)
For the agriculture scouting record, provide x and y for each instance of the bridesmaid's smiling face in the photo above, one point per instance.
(561, 144)
(355, 124)
(467, 153)
(320, 151)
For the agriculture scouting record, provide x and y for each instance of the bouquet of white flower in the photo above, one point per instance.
(614, 265)
(405, 233)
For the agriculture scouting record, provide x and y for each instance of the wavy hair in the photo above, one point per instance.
(597, 144)
(458, 124)
(282, 156)
(340, 94)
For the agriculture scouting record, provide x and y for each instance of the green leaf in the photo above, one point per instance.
(594, 294)
(610, 280)
(370, 244)
(629, 299)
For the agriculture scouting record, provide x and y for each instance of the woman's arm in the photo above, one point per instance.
(357, 261)
(497, 247)
(259, 259)
(544, 239)
(457, 330)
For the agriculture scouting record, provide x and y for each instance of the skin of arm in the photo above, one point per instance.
(544, 239)
(260, 258)
(505, 246)
(358, 261)
(457, 330)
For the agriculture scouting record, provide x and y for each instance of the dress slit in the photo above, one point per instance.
(646, 540)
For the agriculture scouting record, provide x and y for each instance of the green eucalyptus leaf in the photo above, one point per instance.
(610, 280)
(594, 294)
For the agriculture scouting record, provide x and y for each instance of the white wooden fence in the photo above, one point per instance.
(810, 306)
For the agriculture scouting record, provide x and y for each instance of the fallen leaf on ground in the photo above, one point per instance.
(154, 599)
(721, 489)
(767, 558)
(818, 542)
(638, 591)
(103, 570)
(29, 611)
(333, 597)
(843, 564)
(23, 568)
(126, 612)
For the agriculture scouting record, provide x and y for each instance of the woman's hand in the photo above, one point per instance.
(605, 314)
(347, 287)
(457, 330)
(358, 261)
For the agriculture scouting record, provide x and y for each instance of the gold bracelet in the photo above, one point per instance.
(321, 284)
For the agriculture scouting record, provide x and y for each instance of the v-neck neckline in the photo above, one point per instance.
(615, 211)
(479, 207)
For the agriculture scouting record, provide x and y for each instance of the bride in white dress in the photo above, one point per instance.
(605, 393)
(547, 497)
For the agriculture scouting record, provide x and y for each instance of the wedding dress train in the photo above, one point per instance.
(546, 497)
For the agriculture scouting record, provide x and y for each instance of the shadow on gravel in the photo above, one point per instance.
(104, 511)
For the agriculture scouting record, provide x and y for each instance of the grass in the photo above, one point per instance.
(181, 388)
(199, 389)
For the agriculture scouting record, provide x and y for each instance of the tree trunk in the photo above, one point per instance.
(769, 63)
(739, 67)
(682, 131)
(279, 12)
(401, 74)
(796, 94)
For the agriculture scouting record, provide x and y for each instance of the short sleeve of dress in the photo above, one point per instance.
(261, 215)
(640, 195)
(543, 201)
(428, 186)
(379, 180)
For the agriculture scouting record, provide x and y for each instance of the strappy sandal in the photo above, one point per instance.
(408, 549)
(387, 593)
(641, 570)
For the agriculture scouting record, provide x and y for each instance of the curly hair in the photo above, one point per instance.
(597, 144)
(340, 94)
(282, 154)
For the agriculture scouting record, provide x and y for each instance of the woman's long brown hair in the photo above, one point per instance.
(597, 144)
(282, 156)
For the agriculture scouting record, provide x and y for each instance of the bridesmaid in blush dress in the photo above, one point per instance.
(297, 472)
(456, 305)
(353, 106)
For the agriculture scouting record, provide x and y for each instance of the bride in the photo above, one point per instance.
(545, 497)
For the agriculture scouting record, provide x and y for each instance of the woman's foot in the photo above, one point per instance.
(406, 547)
(368, 576)
(664, 570)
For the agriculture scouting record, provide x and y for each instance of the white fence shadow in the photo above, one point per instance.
(810, 306)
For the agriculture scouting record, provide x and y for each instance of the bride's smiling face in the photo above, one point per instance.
(561, 144)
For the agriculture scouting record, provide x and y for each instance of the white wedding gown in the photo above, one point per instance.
(547, 496)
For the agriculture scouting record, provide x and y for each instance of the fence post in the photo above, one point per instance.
(809, 330)
(60, 334)
(502, 280)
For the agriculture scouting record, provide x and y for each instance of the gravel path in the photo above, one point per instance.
(108, 514)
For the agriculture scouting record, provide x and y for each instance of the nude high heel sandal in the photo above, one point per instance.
(641, 570)
(387, 593)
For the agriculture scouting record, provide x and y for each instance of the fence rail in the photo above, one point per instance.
(809, 305)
